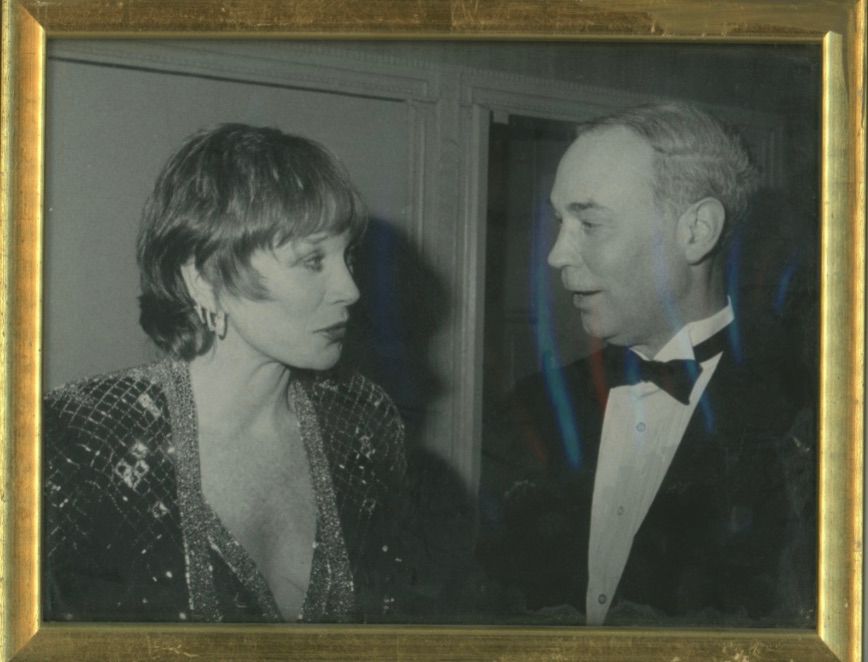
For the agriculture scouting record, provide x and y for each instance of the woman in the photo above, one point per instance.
(240, 478)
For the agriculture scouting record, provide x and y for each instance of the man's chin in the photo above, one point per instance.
(592, 326)
(602, 333)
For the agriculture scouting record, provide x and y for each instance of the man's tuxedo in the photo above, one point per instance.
(730, 535)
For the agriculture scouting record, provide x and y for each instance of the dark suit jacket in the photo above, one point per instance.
(730, 536)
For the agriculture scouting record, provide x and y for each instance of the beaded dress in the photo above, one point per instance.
(129, 536)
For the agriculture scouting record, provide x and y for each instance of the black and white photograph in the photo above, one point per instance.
(477, 333)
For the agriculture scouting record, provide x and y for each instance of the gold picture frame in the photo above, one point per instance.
(839, 26)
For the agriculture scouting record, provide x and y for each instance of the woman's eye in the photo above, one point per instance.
(314, 263)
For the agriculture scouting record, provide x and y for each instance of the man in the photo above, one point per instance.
(669, 477)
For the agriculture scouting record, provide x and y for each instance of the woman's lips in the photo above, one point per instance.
(335, 332)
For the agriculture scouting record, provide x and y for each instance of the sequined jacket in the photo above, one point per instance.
(128, 535)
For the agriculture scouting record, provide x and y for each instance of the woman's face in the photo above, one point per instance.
(303, 321)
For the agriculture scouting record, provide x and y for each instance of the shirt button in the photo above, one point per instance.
(602, 598)
(640, 427)
(620, 510)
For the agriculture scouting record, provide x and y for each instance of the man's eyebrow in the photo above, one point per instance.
(576, 207)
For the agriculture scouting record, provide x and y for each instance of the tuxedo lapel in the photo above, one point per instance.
(715, 533)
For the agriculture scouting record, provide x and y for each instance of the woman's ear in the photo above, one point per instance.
(200, 290)
(700, 228)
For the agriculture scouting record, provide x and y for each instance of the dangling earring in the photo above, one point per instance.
(217, 324)
(221, 324)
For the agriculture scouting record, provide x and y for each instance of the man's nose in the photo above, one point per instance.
(565, 251)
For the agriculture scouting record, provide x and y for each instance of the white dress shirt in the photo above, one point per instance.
(642, 428)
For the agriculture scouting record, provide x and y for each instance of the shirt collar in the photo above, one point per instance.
(680, 346)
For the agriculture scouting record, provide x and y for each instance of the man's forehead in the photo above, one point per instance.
(603, 158)
(612, 141)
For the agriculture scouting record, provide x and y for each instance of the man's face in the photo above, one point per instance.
(617, 253)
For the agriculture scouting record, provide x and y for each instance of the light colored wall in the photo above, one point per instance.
(110, 129)
(411, 122)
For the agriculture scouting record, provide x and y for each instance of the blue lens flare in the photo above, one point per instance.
(707, 412)
(784, 284)
(663, 281)
(384, 303)
(546, 344)
(386, 320)
(733, 271)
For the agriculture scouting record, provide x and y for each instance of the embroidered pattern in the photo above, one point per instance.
(123, 499)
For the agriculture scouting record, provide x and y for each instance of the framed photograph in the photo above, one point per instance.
(456, 122)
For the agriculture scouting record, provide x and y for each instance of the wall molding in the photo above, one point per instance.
(449, 109)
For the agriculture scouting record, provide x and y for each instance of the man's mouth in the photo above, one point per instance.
(581, 296)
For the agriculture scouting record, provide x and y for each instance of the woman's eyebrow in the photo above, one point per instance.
(315, 239)
(308, 243)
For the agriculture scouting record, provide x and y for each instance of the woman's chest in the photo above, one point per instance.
(265, 498)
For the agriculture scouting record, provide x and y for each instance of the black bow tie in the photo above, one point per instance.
(676, 377)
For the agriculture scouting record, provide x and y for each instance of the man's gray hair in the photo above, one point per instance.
(696, 156)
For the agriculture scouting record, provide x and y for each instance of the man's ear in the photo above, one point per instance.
(200, 290)
(700, 228)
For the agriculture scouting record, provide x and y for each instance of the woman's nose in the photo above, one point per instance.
(345, 289)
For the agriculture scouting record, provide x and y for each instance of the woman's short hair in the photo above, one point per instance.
(696, 156)
(227, 192)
